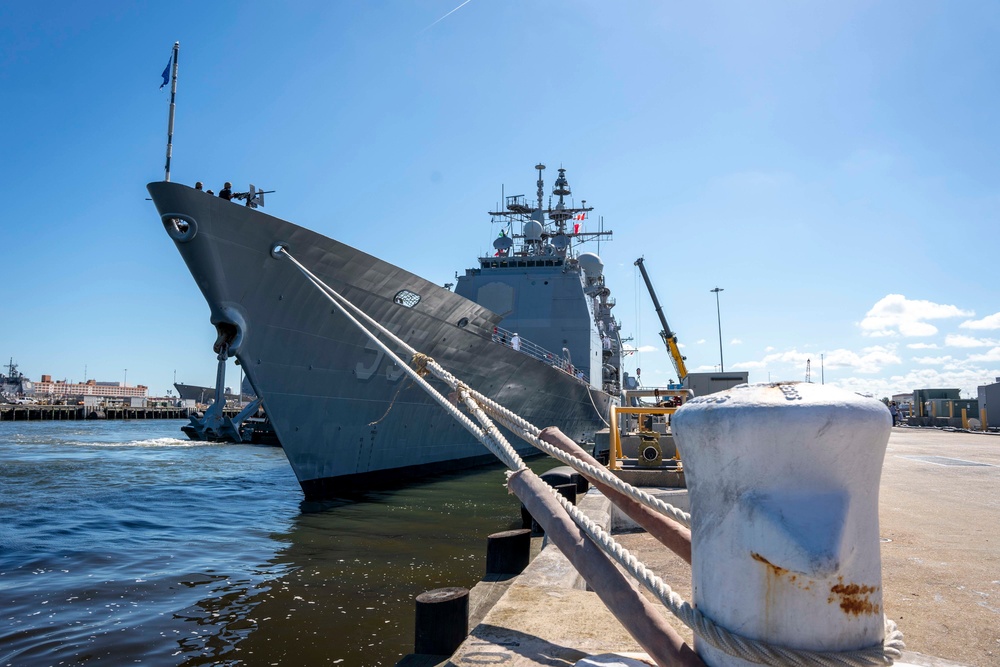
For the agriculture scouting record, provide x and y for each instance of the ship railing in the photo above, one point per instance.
(505, 336)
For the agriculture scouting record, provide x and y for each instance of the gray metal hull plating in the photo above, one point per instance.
(346, 416)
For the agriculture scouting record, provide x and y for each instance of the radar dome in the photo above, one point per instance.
(532, 231)
(591, 264)
(502, 243)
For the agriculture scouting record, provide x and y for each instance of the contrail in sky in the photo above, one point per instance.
(447, 15)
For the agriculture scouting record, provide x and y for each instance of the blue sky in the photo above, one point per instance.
(832, 166)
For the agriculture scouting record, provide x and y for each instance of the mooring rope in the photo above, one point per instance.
(510, 419)
(392, 404)
(601, 474)
(731, 643)
(514, 463)
(590, 395)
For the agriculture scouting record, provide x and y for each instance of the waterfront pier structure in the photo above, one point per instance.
(938, 558)
(37, 412)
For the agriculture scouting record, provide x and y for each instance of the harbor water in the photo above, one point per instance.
(124, 543)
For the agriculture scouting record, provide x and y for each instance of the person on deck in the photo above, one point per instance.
(198, 186)
(227, 191)
(515, 342)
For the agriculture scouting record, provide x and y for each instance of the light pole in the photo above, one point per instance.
(718, 313)
(125, 382)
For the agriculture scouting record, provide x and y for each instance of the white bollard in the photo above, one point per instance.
(783, 482)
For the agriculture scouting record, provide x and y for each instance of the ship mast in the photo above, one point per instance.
(541, 186)
(537, 234)
(560, 215)
(170, 120)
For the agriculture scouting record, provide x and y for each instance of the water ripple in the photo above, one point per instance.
(123, 543)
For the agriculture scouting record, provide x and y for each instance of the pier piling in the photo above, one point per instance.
(508, 552)
(442, 621)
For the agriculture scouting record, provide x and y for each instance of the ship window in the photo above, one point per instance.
(405, 297)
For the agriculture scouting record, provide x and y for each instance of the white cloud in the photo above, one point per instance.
(700, 342)
(928, 372)
(736, 341)
(894, 315)
(788, 357)
(922, 346)
(992, 355)
(988, 322)
(627, 349)
(933, 361)
(958, 340)
(869, 360)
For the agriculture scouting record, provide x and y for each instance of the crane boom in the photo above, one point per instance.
(668, 336)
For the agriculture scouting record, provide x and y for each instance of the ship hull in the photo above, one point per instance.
(347, 416)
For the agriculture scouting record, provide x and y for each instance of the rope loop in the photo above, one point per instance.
(420, 362)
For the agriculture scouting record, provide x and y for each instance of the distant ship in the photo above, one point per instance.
(205, 395)
(350, 420)
(14, 384)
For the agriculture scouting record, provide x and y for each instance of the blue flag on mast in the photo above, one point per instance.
(166, 73)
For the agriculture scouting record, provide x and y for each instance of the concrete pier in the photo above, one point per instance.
(940, 553)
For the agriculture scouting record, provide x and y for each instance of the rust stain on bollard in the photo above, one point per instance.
(777, 570)
(805, 583)
(854, 598)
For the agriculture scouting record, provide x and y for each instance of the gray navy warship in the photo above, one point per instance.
(14, 384)
(204, 395)
(530, 326)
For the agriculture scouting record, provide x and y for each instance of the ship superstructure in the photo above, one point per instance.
(545, 289)
(14, 384)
